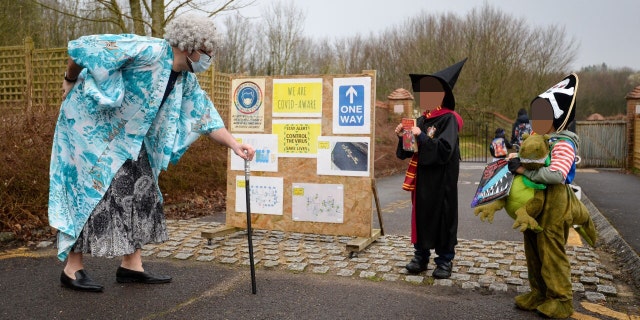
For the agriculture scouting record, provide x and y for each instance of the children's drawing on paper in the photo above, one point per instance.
(265, 193)
(266, 157)
(318, 202)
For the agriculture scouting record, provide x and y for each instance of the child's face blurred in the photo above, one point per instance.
(431, 100)
(541, 116)
(431, 93)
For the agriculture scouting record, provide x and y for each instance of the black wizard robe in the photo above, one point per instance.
(434, 222)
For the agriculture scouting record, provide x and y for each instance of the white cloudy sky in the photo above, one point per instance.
(606, 31)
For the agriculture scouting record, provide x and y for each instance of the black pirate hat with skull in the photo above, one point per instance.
(557, 103)
(447, 77)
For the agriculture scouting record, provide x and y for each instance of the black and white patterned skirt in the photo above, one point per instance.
(129, 215)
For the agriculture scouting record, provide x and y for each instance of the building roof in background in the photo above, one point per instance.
(634, 94)
(400, 94)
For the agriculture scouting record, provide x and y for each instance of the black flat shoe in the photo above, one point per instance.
(417, 265)
(82, 282)
(124, 275)
(443, 270)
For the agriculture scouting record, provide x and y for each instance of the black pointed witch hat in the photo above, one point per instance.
(447, 78)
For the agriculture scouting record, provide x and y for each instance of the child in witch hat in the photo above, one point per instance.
(432, 176)
(547, 262)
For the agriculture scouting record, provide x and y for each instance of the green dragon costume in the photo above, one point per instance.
(545, 216)
(526, 198)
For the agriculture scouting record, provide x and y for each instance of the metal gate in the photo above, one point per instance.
(477, 133)
(474, 142)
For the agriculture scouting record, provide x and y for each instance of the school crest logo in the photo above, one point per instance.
(431, 132)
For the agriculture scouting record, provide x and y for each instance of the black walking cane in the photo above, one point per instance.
(249, 232)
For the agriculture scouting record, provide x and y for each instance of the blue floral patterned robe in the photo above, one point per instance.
(112, 109)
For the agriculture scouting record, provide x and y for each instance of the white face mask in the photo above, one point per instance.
(201, 65)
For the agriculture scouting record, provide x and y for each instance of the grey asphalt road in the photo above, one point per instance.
(395, 205)
(29, 290)
(616, 195)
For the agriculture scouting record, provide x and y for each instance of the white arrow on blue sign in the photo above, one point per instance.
(352, 105)
(351, 111)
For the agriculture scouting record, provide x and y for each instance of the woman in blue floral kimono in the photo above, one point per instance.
(132, 104)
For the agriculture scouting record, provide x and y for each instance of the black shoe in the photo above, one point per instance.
(443, 270)
(124, 275)
(82, 282)
(417, 265)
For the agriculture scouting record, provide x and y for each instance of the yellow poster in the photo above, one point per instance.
(297, 137)
(297, 97)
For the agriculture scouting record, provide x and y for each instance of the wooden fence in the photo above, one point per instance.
(603, 144)
(31, 76)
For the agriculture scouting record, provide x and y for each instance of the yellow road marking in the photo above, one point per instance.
(574, 238)
(587, 170)
(580, 316)
(395, 205)
(600, 309)
(24, 253)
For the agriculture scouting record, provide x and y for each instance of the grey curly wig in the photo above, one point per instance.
(190, 33)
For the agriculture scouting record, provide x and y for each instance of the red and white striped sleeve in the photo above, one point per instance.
(562, 157)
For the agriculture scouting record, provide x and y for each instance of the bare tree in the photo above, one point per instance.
(508, 61)
(283, 29)
(233, 54)
(144, 17)
(18, 19)
(351, 54)
(321, 59)
(21, 19)
(300, 61)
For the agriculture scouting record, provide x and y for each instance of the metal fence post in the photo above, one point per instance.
(487, 140)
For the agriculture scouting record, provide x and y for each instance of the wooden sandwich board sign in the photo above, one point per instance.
(313, 170)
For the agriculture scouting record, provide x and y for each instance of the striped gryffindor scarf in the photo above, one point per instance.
(409, 183)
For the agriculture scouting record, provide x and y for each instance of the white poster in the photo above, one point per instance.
(266, 157)
(352, 105)
(265, 193)
(317, 202)
(343, 156)
(247, 111)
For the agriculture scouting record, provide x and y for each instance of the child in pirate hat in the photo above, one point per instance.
(547, 262)
(551, 113)
(432, 176)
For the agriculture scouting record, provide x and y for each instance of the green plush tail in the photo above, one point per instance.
(589, 237)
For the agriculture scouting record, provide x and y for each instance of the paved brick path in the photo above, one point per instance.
(494, 265)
